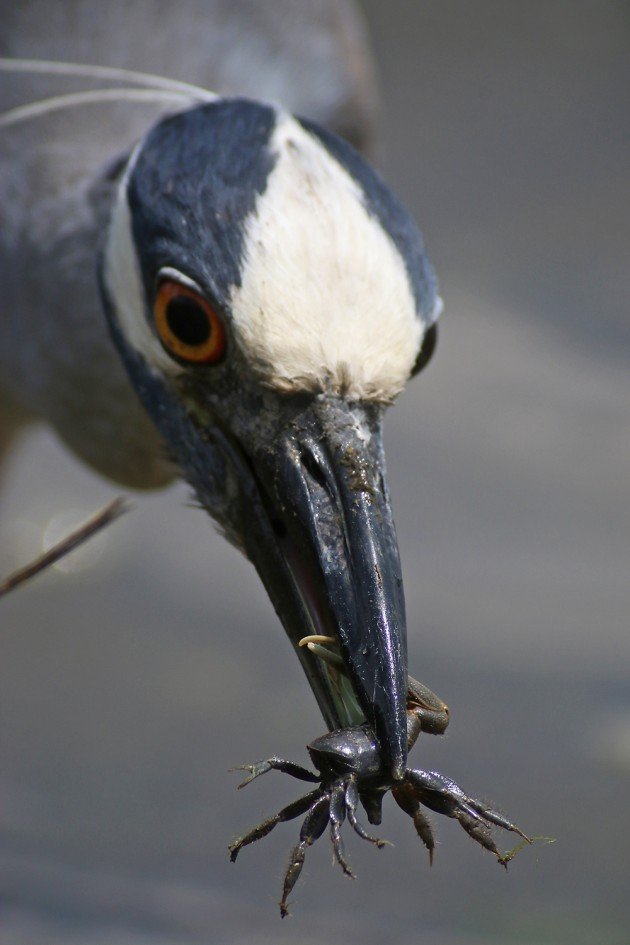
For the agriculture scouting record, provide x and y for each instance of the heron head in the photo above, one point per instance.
(270, 296)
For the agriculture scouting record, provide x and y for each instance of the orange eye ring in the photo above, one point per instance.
(188, 327)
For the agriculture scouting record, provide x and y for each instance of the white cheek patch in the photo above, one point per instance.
(325, 300)
(125, 287)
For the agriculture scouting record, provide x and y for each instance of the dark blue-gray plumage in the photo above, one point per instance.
(193, 186)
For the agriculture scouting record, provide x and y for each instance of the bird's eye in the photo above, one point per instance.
(187, 325)
(429, 344)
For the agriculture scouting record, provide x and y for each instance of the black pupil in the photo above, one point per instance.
(188, 321)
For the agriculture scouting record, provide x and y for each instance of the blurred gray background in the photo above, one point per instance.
(133, 679)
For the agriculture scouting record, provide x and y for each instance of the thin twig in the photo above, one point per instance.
(62, 548)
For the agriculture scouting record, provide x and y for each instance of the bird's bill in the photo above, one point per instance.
(322, 538)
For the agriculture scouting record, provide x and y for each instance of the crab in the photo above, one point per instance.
(349, 770)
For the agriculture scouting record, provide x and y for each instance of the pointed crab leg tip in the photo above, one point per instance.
(317, 638)
(333, 659)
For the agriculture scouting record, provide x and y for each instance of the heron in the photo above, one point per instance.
(204, 285)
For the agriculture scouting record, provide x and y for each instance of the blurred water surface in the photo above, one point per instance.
(129, 686)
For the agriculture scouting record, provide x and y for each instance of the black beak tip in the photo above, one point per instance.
(393, 747)
(382, 694)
